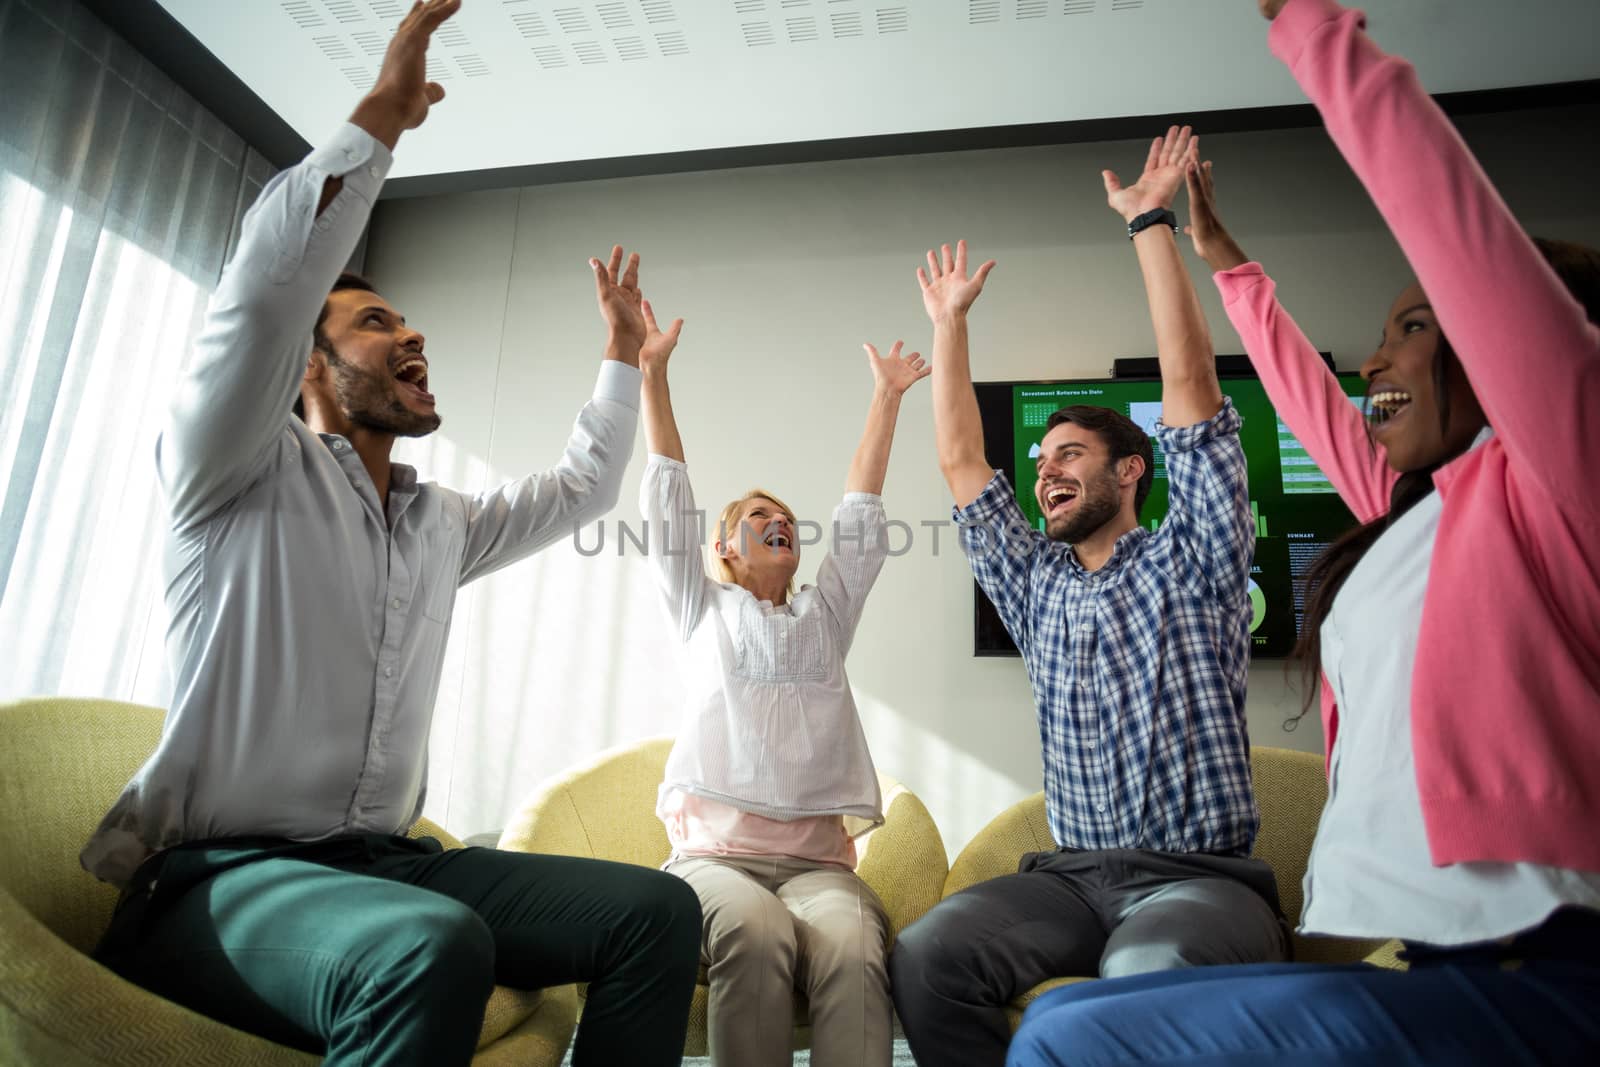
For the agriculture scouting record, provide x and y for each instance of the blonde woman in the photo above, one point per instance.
(770, 772)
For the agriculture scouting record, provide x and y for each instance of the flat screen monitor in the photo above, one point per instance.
(1296, 510)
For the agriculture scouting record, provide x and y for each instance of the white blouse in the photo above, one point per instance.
(769, 724)
(1370, 874)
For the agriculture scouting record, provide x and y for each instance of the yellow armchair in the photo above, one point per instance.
(62, 763)
(1290, 793)
(606, 810)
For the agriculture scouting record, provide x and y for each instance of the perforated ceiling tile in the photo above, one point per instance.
(614, 15)
(305, 14)
(543, 81)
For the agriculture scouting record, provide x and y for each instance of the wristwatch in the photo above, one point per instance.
(1160, 216)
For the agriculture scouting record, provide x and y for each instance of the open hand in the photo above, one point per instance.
(658, 344)
(946, 289)
(1212, 242)
(894, 373)
(1163, 173)
(617, 291)
(399, 100)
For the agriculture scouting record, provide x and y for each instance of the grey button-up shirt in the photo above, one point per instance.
(307, 626)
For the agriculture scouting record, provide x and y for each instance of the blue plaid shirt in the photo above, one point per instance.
(1138, 668)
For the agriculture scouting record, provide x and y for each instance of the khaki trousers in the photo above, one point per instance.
(774, 924)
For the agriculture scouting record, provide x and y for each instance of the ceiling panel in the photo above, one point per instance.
(534, 82)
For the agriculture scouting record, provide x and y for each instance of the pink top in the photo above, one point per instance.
(1505, 700)
(697, 826)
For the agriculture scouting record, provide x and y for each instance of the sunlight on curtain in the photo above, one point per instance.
(119, 201)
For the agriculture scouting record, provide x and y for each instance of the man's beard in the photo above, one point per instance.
(1098, 503)
(370, 402)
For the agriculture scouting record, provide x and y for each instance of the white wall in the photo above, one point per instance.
(781, 273)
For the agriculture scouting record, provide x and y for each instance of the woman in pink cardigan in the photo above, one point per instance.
(1457, 631)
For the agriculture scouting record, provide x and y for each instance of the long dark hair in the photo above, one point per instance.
(1578, 267)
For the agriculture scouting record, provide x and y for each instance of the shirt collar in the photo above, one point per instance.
(402, 476)
(1121, 553)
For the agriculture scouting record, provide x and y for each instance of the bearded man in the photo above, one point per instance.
(1137, 643)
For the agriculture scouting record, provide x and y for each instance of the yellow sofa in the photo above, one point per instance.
(1290, 793)
(606, 810)
(62, 763)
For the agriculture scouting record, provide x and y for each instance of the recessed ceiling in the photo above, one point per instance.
(534, 82)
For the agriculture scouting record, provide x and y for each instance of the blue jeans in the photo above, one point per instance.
(1533, 1001)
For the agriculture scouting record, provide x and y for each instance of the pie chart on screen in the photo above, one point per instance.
(1258, 606)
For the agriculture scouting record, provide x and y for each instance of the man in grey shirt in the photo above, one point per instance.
(267, 879)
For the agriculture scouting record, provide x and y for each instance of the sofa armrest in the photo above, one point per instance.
(904, 860)
(59, 1008)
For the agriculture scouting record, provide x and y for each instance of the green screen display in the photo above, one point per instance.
(1296, 510)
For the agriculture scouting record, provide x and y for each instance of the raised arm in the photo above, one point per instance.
(660, 427)
(1189, 389)
(234, 397)
(892, 375)
(1302, 389)
(666, 499)
(524, 516)
(947, 295)
(1528, 347)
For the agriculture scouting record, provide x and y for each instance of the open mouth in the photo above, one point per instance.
(778, 540)
(1386, 405)
(1059, 498)
(412, 374)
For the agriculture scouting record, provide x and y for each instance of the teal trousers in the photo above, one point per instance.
(382, 951)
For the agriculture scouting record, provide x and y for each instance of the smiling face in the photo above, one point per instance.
(372, 371)
(757, 541)
(1079, 486)
(1420, 406)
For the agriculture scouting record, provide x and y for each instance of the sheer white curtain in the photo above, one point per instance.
(119, 202)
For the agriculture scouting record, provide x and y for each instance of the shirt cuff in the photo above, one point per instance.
(988, 504)
(656, 459)
(1189, 438)
(618, 382)
(857, 497)
(355, 156)
(1236, 281)
(1295, 24)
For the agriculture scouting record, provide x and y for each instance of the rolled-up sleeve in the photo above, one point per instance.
(1208, 502)
(859, 545)
(673, 527)
(1001, 548)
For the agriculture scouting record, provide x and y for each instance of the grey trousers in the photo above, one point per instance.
(773, 924)
(1067, 913)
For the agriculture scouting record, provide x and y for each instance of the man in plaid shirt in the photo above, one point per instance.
(1137, 644)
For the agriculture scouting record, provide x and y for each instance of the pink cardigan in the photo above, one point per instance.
(1505, 700)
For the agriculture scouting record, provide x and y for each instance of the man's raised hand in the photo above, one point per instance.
(621, 304)
(947, 292)
(1163, 173)
(894, 374)
(402, 95)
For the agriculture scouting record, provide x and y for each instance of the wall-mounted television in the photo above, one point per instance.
(1297, 511)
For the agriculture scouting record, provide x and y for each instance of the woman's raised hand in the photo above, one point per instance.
(895, 373)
